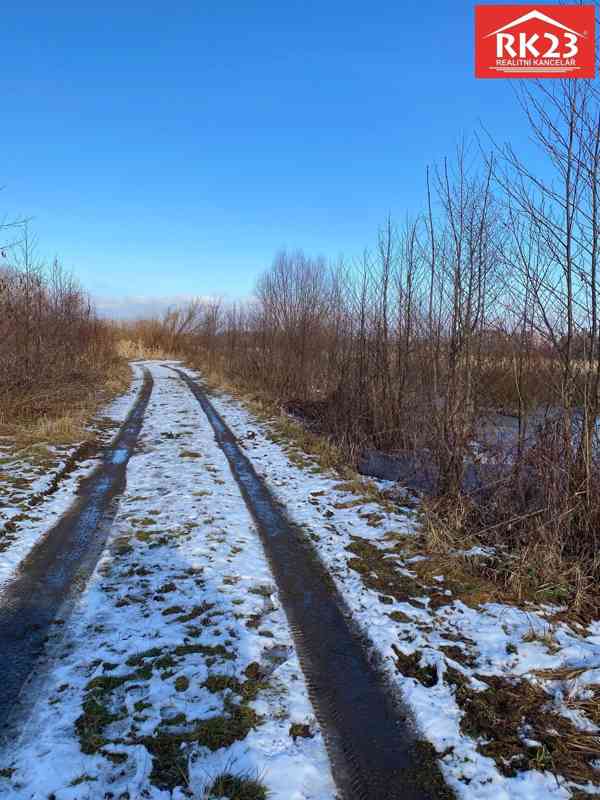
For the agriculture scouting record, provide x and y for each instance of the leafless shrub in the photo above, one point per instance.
(53, 349)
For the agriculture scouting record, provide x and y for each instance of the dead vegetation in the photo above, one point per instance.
(514, 720)
(57, 359)
(515, 724)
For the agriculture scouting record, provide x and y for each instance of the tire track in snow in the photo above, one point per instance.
(61, 560)
(371, 744)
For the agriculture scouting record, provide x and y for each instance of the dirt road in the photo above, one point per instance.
(210, 615)
(208, 654)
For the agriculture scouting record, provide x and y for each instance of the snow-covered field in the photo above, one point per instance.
(474, 673)
(35, 474)
(176, 665)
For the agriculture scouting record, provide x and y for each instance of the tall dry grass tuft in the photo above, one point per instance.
(139, 351)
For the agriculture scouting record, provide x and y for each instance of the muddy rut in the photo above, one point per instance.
(373, 751)
(62, 560)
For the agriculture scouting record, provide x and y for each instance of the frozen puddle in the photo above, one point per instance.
(174, 675)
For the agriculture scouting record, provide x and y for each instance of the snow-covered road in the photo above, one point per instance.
(175, 675)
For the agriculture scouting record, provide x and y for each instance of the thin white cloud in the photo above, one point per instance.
(140, 306)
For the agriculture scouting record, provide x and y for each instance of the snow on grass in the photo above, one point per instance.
(177, 664)
(509, 696)
(38, 483)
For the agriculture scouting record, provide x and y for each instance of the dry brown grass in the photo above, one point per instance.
(137, 350)
(498, 715)
(66, 410)
(528, 559)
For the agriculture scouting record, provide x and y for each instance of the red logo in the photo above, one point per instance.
(535, 42)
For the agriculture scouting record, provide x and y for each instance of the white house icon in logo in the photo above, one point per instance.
(524, 47)
(533, 15)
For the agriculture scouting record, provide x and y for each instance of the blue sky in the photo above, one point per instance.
(170, 149)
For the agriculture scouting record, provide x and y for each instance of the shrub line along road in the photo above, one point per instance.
(369, 741)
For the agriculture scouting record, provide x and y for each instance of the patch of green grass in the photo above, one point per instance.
(116, 758)
(144, 673)
(247, 689)
(182, 684)
(82, 779)
(139, 658)
(378, 572)
(107, 683)
(189, 454)
(219, 683)
(262, 591)
(97, 713)
(299, 730)
(205, 650)
(165, 662)
(178, 719)
(237, 787)
(195, 612)
(91, 723)
(122, 546)
(166, 612)
(169, 750)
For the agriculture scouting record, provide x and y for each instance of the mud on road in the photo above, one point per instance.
(62, 560)
(372, 748)
(371, 743)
